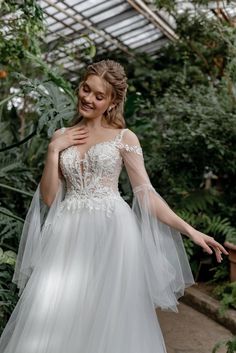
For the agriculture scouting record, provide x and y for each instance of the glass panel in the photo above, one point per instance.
(57, 25)
(126, 22)
(103, 6)
(60, 16)
(73, 2)
(69, 21)
(110, 13)
(67, 31)
(51, 10)
(128, 28)
(122, 21)
(89, 4)
(138, 32)
(146, 36)
(146, 40)
(77, 26)
(49, 21)
(61, 4)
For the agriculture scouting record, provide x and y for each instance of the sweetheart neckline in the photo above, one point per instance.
(91, 148)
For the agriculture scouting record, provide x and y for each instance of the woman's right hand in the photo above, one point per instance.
(72, 136)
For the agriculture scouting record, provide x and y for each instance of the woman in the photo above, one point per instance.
(91, 270)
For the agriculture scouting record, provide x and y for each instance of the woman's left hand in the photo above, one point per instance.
(207, 242)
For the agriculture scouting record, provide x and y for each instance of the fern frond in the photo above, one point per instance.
(10, 228)
(221, 226)
(199, 200)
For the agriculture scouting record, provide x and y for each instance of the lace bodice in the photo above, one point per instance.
(92, 179)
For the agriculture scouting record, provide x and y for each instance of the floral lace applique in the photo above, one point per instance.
(128, 148)
(92, 181)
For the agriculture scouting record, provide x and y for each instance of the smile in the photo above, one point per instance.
(85, 106)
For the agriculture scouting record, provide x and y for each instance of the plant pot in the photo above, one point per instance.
(232, 258)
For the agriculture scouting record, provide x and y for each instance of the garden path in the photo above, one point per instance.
(190, 331)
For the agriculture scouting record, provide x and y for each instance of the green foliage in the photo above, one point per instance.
(172, 6)
(10, 229)
(226, 293)
(52, 74)
(182, 105)
(198, 209)
(7, 257)
(167, 5)
(21, 28)
(8, 292)
(221, 273)
(217, 225)
(230, 345)
(53, 105)
(189, 247)
(194, 208)
(32, 106)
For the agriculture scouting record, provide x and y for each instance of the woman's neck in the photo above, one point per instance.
(93, 124)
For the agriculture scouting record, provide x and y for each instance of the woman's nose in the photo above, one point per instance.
(88, 97)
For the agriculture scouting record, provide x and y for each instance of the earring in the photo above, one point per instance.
(109, 109)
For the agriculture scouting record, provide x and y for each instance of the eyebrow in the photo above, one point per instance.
(97, 92)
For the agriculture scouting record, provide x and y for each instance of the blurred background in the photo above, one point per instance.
(180, 59)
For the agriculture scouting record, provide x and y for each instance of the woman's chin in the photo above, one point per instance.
(86, 114)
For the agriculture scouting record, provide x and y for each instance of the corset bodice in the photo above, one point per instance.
(92, 179)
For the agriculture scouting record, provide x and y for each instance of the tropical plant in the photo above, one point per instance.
(8, 296)
(21, 30)
(226, 293)
(229, 344)
(33, 104)
(182, 105)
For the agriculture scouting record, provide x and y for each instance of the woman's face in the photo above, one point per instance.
(93, 98)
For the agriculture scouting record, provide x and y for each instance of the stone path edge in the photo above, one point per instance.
(210, 307)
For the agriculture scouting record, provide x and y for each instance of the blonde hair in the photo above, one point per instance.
(114, 74)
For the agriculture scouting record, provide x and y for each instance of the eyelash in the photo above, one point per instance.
(86, 89)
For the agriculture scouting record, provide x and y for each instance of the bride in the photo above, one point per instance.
(90, 269)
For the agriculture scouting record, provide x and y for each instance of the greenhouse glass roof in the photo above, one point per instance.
(112, 24)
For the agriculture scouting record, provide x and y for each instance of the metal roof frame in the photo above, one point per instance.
(132, 26)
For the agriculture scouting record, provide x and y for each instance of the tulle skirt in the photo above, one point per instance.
(89, 292)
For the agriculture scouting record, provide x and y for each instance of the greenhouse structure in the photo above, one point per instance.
(117, 178)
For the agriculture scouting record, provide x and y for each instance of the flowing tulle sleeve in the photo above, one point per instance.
(166, 263)
(38, 219)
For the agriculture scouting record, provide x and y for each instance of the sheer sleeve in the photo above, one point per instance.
(166, 263)
(33, 238)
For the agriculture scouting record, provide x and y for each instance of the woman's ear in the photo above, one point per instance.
(111, 106)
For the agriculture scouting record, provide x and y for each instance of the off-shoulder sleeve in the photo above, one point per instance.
(35, 234)
(166, 263)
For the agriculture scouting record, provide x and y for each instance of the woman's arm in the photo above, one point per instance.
(156, 206)
(165, 214)
(50, 179)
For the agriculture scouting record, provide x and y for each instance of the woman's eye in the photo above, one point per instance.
(99, 98)
(85, 89)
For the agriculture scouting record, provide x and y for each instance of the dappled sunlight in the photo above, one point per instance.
(58, 288)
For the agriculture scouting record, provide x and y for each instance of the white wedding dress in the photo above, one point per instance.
(92, 270)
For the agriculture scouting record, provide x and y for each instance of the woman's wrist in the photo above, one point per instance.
(52, 149)
(188, 230)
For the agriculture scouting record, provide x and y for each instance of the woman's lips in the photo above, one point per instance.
(85, 106)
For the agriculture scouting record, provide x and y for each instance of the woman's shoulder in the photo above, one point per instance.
(129, 137)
